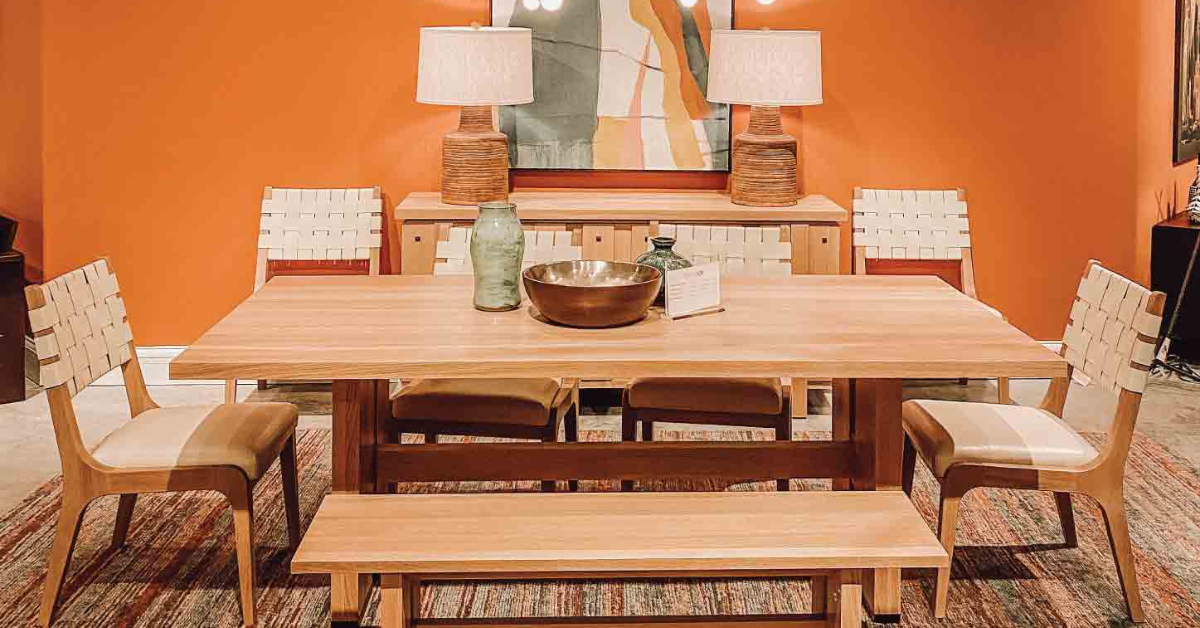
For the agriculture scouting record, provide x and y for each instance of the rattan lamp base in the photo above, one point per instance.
(764, 162)
(474, 160)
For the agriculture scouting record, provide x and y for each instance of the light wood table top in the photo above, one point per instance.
(606, 532)
(800, 326)
(616, 206)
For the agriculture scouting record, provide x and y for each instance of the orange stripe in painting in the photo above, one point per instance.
(685, 147)
(633, 154)
(672, 23)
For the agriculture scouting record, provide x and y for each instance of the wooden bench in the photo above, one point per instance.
(829, 537)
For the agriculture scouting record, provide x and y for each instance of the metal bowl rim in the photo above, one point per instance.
(527, 277)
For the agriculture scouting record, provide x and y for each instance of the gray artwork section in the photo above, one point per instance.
(556, 130)
(716, 125)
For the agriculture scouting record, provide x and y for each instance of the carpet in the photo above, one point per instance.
(1011, 568)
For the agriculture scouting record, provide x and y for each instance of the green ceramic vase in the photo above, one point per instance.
(665, 259)
(497, 248)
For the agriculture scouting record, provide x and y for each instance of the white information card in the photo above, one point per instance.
(694, 289)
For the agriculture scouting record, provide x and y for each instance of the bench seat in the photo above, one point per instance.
(829, 536)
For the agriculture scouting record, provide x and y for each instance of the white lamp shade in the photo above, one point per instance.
(475, 66)
(765, 67)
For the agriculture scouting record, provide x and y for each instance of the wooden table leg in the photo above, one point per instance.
(357, 405)
(878, 433)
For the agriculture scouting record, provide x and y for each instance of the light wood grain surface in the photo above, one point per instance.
(366, 327)
(613, 205)
(615, 532)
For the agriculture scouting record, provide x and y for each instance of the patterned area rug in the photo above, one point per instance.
(179, 570)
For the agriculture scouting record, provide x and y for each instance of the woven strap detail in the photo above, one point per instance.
(325, 224)
(82, 332)
(1112, 334)
(911, 224)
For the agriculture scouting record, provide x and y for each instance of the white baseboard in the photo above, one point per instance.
(156, 360)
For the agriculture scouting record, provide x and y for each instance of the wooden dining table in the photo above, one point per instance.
(866, 333)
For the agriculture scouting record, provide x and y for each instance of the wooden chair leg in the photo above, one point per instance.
(231, 391)
(571, 429)
(647, 431)
(291, 491)
(818, 584)
(909, 466)
(947, 523)
(69, 519)
(1066, 514)
(1003, 395)
(431, 438)
(783, 432)
(242, 502)
(628, 434)
(124, 517)
(394, 601)
(1122, 549)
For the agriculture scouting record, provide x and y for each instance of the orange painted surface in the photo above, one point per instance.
(21, 126)
(165, 120)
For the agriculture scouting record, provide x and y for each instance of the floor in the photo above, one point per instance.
(1170, 415)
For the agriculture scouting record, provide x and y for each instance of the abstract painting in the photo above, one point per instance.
(618, 85)
(1187, 81)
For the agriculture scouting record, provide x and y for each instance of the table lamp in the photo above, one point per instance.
(766, 69)
(476, 68)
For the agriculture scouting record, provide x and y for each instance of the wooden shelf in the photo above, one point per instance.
(603, 205)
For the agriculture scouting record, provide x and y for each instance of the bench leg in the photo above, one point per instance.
(818, 586)
(844, 600)
(395, 604)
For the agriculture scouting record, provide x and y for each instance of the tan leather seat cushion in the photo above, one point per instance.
(503, 401)
(953, 432)
(708, 394)
(245, 435)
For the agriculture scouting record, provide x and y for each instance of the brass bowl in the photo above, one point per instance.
(592, 293)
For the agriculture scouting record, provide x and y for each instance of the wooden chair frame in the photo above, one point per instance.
(564, 415)
(85, 479)
(263, 272)
(1102, 479)
(966, 269)
(630, 417)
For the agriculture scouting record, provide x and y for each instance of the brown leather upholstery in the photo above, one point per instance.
(708, 394)
(245, 435)
(504, 401)
(952, 432)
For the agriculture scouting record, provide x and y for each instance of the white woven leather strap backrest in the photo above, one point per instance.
(911, 224)
(1112, 333)
(82, 331)
(321, 224)
(741, 250)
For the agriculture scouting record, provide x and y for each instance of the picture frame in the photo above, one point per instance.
(1186, 115)
(667, 127)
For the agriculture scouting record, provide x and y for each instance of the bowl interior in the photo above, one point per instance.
(592, 273)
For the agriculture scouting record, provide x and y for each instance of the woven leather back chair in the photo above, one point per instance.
(1110, 341)
(918, 231)
(81, 331)
(316, 232)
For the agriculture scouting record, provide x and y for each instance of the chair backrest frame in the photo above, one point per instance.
(321, 225)
(922, 226)
(59, 314)
(1132, 316)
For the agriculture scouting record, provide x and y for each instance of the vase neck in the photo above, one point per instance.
(765, 120)
(662, 243)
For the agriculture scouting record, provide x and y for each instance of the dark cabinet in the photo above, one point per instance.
(12, 326)
(1171, 248)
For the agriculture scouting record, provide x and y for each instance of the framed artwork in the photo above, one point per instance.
(1187, 80)
(618, 85)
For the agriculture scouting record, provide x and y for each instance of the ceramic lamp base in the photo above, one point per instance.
(474, 160)
(764, 162)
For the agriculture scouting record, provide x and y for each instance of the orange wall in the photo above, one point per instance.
(21, 126)
(165, 120)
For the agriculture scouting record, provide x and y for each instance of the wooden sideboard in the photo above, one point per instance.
(617, 225)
